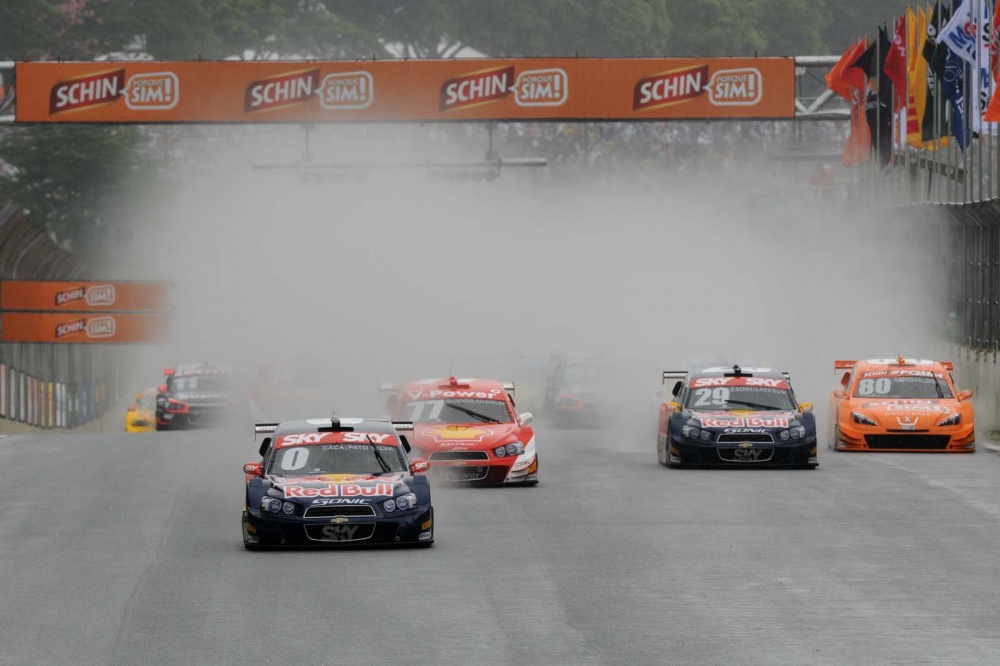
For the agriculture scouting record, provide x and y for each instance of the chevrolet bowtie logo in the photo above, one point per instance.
(338, 519)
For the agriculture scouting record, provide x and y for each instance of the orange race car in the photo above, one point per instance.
(900, 404)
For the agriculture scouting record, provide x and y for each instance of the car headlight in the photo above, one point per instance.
(512, 449)
(690, 432)
(706, 435)
(954, 419)
(287, 508)
(798, 432)
(783, 434)
(862, 419)
(270, 504)
(401, 503)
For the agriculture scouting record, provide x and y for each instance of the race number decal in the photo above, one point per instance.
(867, 387)
(417, 409)
(294, 459)
(705, 397)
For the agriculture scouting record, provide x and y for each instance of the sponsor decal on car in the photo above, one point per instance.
(337, 490)
(763, 382)
(336, 438)
(457, 433)
(430, 394)
(744, 422)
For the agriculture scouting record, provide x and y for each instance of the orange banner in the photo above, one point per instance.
(83, 296)
(45, 327)
(408, 90)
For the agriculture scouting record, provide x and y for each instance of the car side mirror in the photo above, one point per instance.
(419, 466)
(964, 395)
(805, 408)
(845, 379)
(264, 446)
(162, 388)
(253, 469)
(673, 406)
(526, 418)
(677, 388)
(405, 442)
(839, 394)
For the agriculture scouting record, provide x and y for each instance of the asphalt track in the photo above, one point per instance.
(126, 550)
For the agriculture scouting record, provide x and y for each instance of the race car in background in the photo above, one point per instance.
(140, 416)
(467, 429)
(733, 416)
(196, 396)
(900, 404)
(335, 482)
(574, 391)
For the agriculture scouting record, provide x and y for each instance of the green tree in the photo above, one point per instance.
(28, 28)
(76, 181)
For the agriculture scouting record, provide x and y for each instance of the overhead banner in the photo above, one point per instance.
(83, 296)
(67, 328)
(518, 89)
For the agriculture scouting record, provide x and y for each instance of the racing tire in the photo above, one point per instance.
(832, 443)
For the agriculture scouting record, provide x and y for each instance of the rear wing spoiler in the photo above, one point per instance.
(386, 390)
(405, 426)
(264, 428)
(673, 374)
(509, 387)
(947, 365)
(786, 375)
(843, 365)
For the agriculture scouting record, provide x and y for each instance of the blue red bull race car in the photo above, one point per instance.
(745, 417)
(336, 482)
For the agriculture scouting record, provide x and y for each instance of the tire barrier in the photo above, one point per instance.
(48, 386)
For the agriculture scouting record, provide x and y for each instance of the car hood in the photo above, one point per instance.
(465, 437)
(742, 421)
(905, 414)
(367, 487)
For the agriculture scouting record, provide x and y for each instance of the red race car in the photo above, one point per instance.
(467, 429)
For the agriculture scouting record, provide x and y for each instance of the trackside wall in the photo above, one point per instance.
(48, 386)
(967, 238)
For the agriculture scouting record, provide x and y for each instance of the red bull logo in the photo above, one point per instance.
(338, 490)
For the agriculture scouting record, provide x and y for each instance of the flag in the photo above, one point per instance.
(932, 125)
(843, 76)
(967, 35)
(959, 33)
(850, 83)
(895, 63)
(878, 102)
(917, 76)
(993, 109)
(954, 89)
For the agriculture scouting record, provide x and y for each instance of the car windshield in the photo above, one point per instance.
(725, 398)
(902, 387)
(456, 411)
(337, 459)
(199, 385)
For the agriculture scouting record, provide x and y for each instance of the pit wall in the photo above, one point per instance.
(45, 386)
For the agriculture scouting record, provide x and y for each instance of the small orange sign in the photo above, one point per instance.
(54, 327)
(58, 296)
